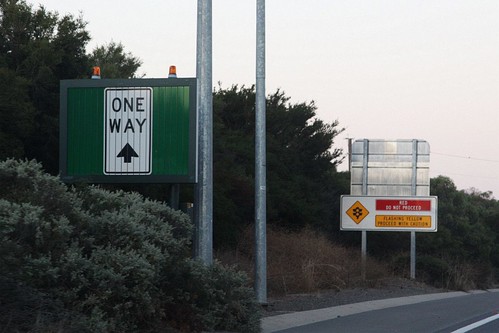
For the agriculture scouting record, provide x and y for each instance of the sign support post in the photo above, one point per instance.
(413, 192)
(260, 161)
(203, 238)
(365, 164)
(391, 167)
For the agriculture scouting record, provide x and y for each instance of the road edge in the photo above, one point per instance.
(296, 319)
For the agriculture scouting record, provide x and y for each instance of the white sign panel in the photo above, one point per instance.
(127, 131)
(395, 213)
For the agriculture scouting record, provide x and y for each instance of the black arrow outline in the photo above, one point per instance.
(127, 152)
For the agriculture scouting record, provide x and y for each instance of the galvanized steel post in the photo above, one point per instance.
(365, 165)
(414, 183)
(203, 239)
(260, 160)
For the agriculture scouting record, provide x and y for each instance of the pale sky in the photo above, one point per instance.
(392, 69)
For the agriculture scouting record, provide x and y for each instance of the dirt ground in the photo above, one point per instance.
(382, 289)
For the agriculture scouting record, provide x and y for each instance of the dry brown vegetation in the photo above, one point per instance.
(304, 261)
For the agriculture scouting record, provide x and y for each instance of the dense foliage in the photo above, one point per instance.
(114, 62)
(302, 182)
(464, 253)
(38, 48)
(114, 261)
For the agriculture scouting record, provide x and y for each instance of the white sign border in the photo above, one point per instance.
(150, 115)
(369, 202)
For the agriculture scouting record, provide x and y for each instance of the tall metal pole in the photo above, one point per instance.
(414, 182)
(203, 239)
(363, 263)
(260, 160)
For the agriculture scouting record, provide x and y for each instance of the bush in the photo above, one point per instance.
(217, 298)
(24, 309)
(455, 273)
(305, 261)
(109, 257)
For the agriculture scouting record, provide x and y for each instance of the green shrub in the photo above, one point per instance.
(211, 298)
(434, 270)
(456, 274)
(24, 309)
(113, 258)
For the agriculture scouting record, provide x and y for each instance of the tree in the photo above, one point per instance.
(114, 62)
(301, 163)
(37, 50)
(464, 248)
(18, 114)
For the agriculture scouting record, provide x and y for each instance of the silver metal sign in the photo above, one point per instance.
(390, 167)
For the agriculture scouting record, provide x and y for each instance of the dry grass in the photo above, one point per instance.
(304, 262)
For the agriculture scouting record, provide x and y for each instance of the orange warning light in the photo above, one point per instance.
(173, 71)
(96, 72)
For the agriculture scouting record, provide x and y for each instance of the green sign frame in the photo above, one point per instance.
(169, 122)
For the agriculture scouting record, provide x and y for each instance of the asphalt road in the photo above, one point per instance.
(439, 316)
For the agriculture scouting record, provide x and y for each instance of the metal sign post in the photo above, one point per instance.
(260, 161)
(363, 262)
(414, 178)
(390, 168)
(203, 239)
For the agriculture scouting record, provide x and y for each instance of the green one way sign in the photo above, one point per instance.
(128, 131)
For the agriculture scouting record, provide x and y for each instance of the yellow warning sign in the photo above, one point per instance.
(403, 221)
(357, 212)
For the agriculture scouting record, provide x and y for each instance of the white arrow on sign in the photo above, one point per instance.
(127, 131)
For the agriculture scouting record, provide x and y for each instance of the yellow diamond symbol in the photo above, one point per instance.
(357, 212)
